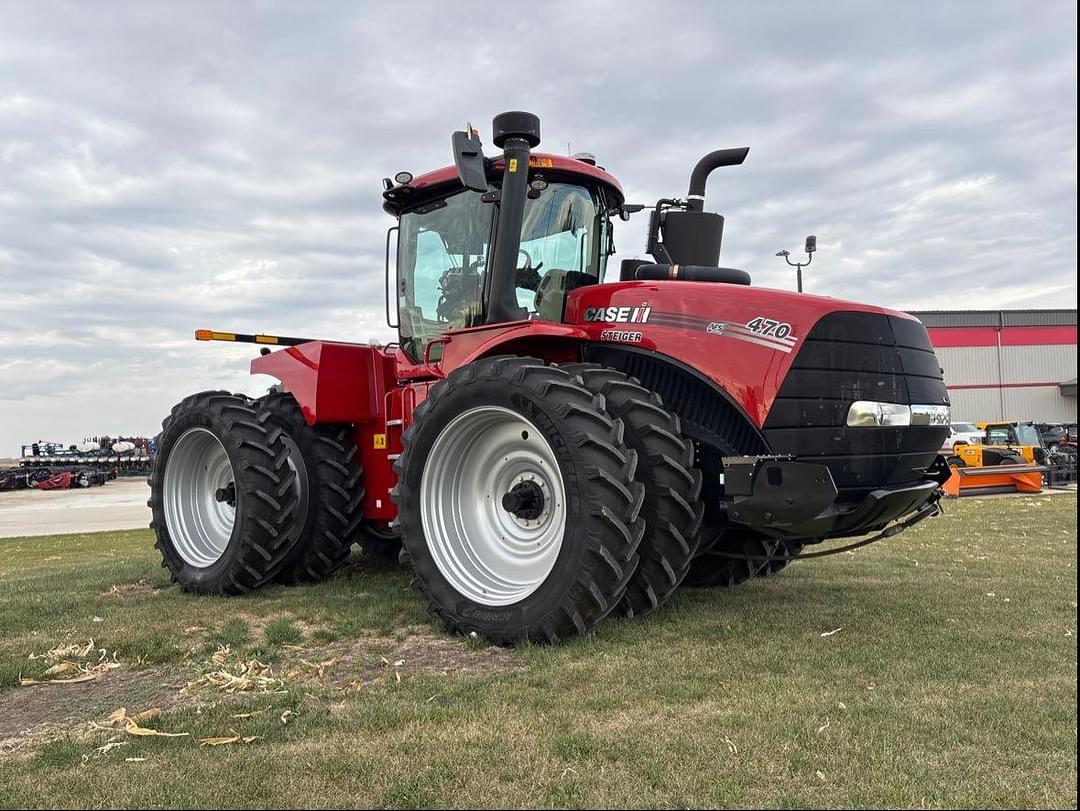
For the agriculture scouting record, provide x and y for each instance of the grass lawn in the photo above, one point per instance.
(935, 669)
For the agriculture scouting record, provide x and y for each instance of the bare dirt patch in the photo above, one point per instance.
(42, 712)
(37, 713)
(375, 660)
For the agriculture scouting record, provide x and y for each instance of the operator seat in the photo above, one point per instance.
(551, 293)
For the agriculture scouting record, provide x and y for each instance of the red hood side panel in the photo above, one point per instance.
(743, 338)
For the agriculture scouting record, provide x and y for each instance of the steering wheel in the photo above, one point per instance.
(527, 277)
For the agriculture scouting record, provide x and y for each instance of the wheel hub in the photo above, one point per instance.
(525, 501)
(227, 494)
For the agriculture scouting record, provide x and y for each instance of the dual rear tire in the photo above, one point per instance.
(244, 492)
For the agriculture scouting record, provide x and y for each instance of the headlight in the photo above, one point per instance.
(930, 415)
(870, 414)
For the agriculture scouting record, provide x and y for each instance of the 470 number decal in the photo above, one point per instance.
(769, 327)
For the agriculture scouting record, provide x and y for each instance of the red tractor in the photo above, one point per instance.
(543, 447)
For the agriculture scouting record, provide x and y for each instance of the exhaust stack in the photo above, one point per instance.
(681, 232)
(705, 166)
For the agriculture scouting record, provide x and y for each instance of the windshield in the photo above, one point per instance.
(964, 428)
(1027, 435)
(560, 237)
(443, 251)
(1013, 435)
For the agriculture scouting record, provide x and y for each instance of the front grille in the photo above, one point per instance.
(859, 356)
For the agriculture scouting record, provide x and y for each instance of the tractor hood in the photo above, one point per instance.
(747, 339)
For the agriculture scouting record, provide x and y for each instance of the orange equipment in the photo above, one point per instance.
(981, 481)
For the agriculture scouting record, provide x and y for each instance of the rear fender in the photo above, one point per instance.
(331, 382)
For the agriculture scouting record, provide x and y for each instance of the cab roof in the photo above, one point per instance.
(440, 181)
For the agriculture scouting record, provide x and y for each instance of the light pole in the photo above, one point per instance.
(809, 248)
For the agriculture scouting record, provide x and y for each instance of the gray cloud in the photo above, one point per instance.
(164, 167)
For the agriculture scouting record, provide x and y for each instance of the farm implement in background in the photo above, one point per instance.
(54, 478)
(1010, 457)
(128, 456)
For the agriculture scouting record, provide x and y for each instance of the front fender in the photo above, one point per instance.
(331, 382)
(543, 339)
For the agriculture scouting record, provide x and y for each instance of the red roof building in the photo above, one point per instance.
(1007, 364)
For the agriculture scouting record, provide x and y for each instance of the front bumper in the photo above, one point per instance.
(788, 499)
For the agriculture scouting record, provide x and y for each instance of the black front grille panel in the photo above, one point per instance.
(859, 356)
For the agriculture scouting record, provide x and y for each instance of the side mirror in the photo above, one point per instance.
(811, 244)
(469, 161)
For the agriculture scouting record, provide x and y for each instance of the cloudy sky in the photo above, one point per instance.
(167, 166)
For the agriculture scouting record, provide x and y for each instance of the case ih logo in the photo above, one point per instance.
(619, 315)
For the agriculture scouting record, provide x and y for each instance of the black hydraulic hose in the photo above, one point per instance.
(714, 160)
(927, 511)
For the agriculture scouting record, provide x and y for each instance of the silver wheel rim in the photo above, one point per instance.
(487, 553)
(199, 525)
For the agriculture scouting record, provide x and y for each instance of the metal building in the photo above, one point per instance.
(1007, 364)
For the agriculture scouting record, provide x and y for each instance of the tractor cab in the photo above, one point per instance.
(494, 241)
(446, 235)
(1020, 438)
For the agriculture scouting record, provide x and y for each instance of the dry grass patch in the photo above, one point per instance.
(130, 590)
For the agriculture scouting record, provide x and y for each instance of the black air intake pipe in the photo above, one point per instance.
(714, 160)
(515, 133)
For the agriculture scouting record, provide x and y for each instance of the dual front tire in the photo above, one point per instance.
(535, 500)
(735, 556)
(518, 506)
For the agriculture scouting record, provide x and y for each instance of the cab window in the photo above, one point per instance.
(442, 254)
(563, 241)
(1027, 435)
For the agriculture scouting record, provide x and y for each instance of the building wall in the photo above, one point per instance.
(1007, 365)
(973, 405)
